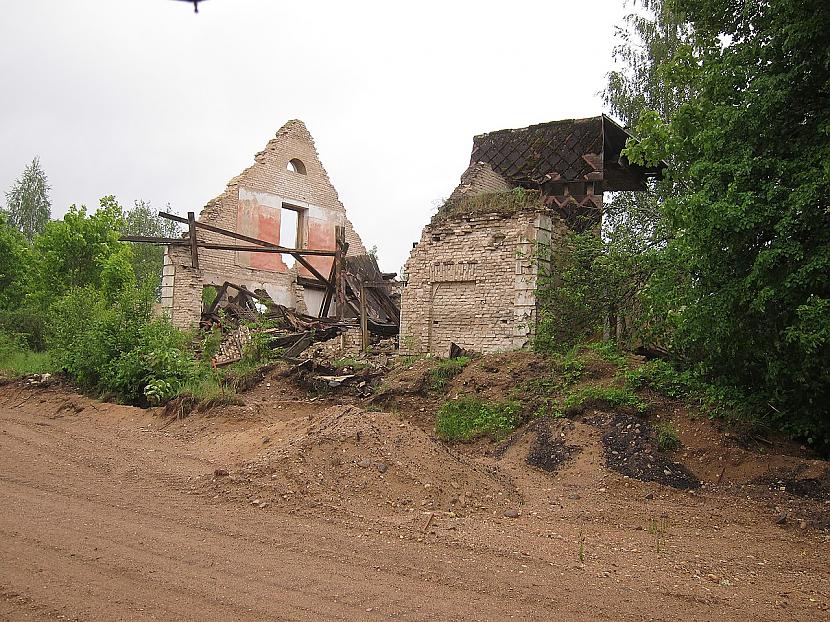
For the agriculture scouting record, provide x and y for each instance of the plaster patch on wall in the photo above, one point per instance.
(258, 216)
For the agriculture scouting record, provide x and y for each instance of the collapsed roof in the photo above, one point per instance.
(569, 150)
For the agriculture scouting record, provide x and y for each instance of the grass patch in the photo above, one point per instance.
(605, 396)
(505, 203)
(409, 360)
(608, 351)
(244, 374)
(16, 359)
(661, 377)
(666, 436)
(25, 363)
(539, 397)
(210, 391)
(470, 417)
(542, 396)
(569, 366)
(444, 371)
(717, 402)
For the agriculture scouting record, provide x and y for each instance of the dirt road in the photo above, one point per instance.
(111, 513)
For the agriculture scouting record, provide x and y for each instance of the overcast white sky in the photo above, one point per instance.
(144, 99)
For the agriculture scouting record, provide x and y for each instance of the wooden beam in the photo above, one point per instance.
(220, 293)
(326, 305)
(340, 275)
(224, 247)
(228, 233)
(150, 240)
(194, 248)
(266, 249)
(364, 320)
(295, 253)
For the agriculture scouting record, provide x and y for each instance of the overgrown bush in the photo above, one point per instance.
(662, 377)
(115, 346)
(470, 417)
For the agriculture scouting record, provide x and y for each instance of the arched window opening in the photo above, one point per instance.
(296, 166)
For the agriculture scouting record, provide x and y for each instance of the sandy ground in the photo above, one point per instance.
(115, 513)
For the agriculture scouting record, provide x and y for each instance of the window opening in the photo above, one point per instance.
(290, 237)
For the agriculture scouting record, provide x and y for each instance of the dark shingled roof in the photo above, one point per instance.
(566, 150)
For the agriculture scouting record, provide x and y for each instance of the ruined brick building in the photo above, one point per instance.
(472, 278)
(285, 198)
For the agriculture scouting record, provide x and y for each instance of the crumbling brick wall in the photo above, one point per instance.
(251, 204)
(471, 280)
(479, 178)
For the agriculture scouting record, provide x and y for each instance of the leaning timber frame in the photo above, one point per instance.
(334, 285)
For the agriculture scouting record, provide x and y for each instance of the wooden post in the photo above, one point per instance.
(340, 275)
(329, 295)
(364, 319)
(194, 247)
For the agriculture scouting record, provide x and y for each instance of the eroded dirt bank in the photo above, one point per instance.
(114, 513)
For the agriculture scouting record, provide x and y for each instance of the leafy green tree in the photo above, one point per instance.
(650, 35)
(148, 260)
(27, 203)
(13, 251)
(751, 213)
(598, 281)
(77, 250)
(17, 318)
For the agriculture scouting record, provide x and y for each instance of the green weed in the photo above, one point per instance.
(660, 376)
(608, 351)
(210, 391)
(606, 396)
(471, 417)
(667, 436)
(444, 371)
(17, 359)
(659, 528)
(568, 365)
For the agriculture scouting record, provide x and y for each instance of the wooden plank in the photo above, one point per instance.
(219, 295)
(245, 238)
(194, 248)
(324, 308)
(307, 281)
(266, 249)
(340, 275)
(224, 247)
(151, 240)
(298, 347)
(364, 320)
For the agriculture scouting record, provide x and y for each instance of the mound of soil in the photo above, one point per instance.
(495, 377)
(357, 461)
(630, 450)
